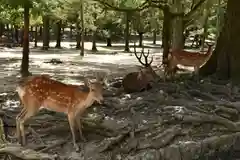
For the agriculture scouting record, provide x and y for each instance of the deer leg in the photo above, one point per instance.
(79, 124)
(22, 113)
(71, 120)
(196, 72)
(22, 119)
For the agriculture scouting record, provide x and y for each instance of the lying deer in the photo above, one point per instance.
(186, 58)
(41, 91)
(139, 81)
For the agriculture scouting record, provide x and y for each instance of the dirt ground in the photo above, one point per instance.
(178, 120)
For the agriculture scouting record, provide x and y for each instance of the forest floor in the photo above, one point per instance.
(180, 120)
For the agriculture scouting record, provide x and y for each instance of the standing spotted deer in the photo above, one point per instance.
(186, 58)
(43, 92)
(142, 80)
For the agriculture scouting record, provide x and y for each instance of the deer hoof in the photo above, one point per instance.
(76, 147)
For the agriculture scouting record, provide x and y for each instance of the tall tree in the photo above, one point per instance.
(225, 59)
(82, 27)
(25, 56)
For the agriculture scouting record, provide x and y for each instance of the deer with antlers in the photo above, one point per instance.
(41, 91)
(138, 81)
(186, 58)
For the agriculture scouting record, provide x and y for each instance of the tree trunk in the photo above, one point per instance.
(226, 57)
(140, 39)
(1, 28)
(36, 36)
(46, 33)
(177, 40)
(166, 32)
(82, 23)
(78, 36)
(154, 36)
(16, 34)
(41, 31)
(109, 42)
(59, 34)
(94, 45)
(127, 32)
(25, 55)
(220, 19)
(70, 33)
(205, 27)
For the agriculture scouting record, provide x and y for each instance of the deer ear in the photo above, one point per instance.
(87, 82)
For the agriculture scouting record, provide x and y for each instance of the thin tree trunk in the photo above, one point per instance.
(154, 36)
(78, 36)
(36, 36)
(25, 56)
(41, 31)
(70, 33)
(59, 34)
(82, 23)
(1, 28)
(140, 39)
(16, 34)
(109, 42)
(94, 45)
(127, 32)
(46, 33)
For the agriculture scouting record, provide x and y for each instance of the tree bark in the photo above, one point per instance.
(82, 23)
(127, 32)
(1, 28)
(94, 45)
(16, 33)
(166, 32)
(177, 40)
(154, 36)
(109, 42)
(205, 27)
(140, 39)
(70, 33)
(46, 33)
(36, 36)
(78, 36)
(41, 31)
(25, 56)
(226, 57)
(59, 34)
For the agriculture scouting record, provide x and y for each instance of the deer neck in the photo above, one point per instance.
(89, 100)
(209, 51)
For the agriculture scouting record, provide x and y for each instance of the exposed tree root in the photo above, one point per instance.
(110, 142)
(23, 153)
(161, 139)
(203, 118)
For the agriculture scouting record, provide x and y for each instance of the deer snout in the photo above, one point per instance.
(100, 100)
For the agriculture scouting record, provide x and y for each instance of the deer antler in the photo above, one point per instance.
(146, 64)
